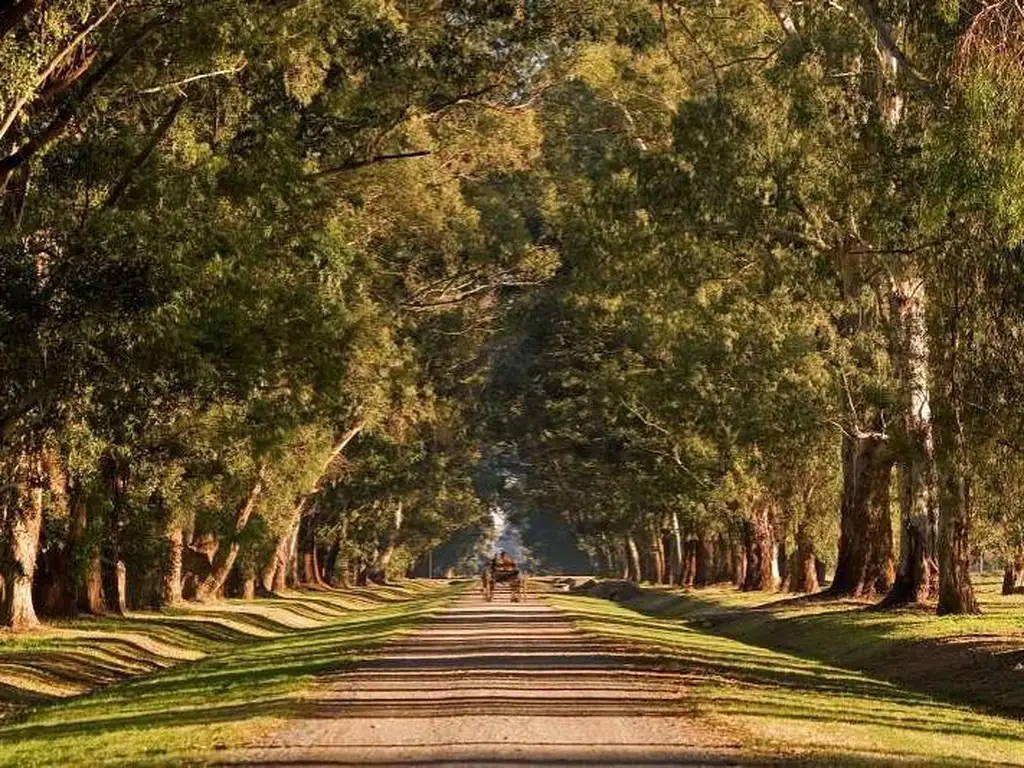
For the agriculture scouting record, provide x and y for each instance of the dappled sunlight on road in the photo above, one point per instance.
(503, 682)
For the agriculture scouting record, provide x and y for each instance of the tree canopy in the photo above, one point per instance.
(735, 289)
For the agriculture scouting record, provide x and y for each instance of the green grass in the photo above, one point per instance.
(783, 705)
(245, 684)
(966, 659)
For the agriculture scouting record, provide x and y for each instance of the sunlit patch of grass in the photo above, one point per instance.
(223, 701)
(970, 659)
(783, 704)
(72, 656)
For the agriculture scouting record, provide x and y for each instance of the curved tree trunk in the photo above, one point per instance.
(378, 570)
(310, 561)
(272, 577)
(865, 563)
(224, 559)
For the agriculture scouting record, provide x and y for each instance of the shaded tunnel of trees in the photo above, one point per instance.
(737, 288)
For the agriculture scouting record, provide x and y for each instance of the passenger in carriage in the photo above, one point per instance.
(504, 567)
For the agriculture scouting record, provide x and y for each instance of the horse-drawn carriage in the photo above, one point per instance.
(493, 580)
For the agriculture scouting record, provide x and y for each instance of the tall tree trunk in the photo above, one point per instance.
(330, 574)
(84, 552)
(22, 520)
(657, 558)
(224, 559)
(344, 564)
(378, 571)
(53, 582)
(275, 574)
(865, 563)
(85, 585)
(116, 475)
(738, 562)
(803, 576)
(956, 594)
(310, 565)
(633, 567)
(1013, 575)
(762, 569)
(689, 562)
(705, 560)
(272, 576)
(917, 575)
(171, 579)
(677, 551)
(723, 558)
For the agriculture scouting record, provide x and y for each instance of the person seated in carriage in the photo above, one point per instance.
(503, 567)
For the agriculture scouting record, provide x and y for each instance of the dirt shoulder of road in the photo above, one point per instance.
(974, 660)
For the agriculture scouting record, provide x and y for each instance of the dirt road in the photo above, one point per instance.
(499, 684)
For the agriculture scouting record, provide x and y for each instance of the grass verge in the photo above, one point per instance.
(976, 660)
(203, 679)
(784, 706)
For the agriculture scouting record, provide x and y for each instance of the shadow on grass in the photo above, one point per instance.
(739, 680)
(253, 680)
(977, 663)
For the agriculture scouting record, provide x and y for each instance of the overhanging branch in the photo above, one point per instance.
(353, 165)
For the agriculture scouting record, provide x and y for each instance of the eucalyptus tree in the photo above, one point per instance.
(181, 186)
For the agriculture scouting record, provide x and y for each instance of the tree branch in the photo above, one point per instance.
(158, 135)
(353, 165)
(67, 113)
(885, 37)
(194, 78)
(43, 76)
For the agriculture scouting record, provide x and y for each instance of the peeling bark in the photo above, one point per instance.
(1013, 574)
(803, 572)
(759, 543)
(865, 564)
(22, 520)
(917, 575)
